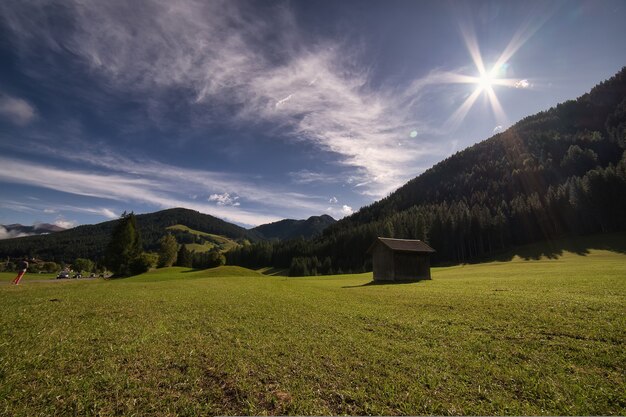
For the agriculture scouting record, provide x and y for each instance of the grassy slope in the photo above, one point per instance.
(225, 243)
(521, 337)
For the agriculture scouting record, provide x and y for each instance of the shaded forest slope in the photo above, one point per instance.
(291, 229)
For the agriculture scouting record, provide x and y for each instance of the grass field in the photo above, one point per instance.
(534, 337)
(9, 276)
(224, 243)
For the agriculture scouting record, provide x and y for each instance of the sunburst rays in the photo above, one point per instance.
(487, 78)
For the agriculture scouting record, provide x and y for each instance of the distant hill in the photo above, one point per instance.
(8, 231)
(90, 241)
(197, 241)
(560, 172)
(291, 229)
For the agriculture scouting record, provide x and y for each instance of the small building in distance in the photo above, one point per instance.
(400, 259)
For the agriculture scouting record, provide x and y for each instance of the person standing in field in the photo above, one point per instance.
(23, 266)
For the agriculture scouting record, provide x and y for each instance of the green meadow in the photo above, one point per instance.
(224, 243)
(529, 337)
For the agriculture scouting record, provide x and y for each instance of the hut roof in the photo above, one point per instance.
(403, 245)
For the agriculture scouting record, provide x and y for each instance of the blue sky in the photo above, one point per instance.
(258, 111)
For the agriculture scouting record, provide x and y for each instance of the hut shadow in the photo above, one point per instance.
(383, 283)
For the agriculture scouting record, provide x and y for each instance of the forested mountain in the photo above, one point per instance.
(90, 241)
(291, 229)
(557, 173)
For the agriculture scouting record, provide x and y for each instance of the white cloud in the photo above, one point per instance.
(66, 224)
(224, 199)
(339, 213)
(218, 52)
(522, 84)
(333, 200)
(6, 234)
(498, 129)
(16, 110)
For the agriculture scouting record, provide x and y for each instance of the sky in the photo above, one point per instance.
(259, 111)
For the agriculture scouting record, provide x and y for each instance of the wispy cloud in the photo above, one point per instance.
(522, 84)
(100, 211)
(17, 110)
(159, 185)
(306, 177)
(217, 51)
(188, 182)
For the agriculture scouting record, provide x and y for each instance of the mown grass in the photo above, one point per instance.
(519, 337)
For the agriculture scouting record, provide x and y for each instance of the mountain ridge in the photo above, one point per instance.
(90, 240)
(291, 229)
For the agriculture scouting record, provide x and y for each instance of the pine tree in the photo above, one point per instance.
(124, 246)
(184, 258)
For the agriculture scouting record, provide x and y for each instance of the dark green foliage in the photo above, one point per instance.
(616, 124)
(143, 262)
(210, 259)
(49, 267)
(578, 161)
(184, 257)
(83, 265)
(125, 247)
(7, 266)
(168, 251)
(299, 267)
(303, 266)
(255, 255)
(558, 173)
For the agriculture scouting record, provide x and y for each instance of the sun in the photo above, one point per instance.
(486, 81)
(487, 78)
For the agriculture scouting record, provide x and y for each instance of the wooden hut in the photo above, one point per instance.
(400, 259)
